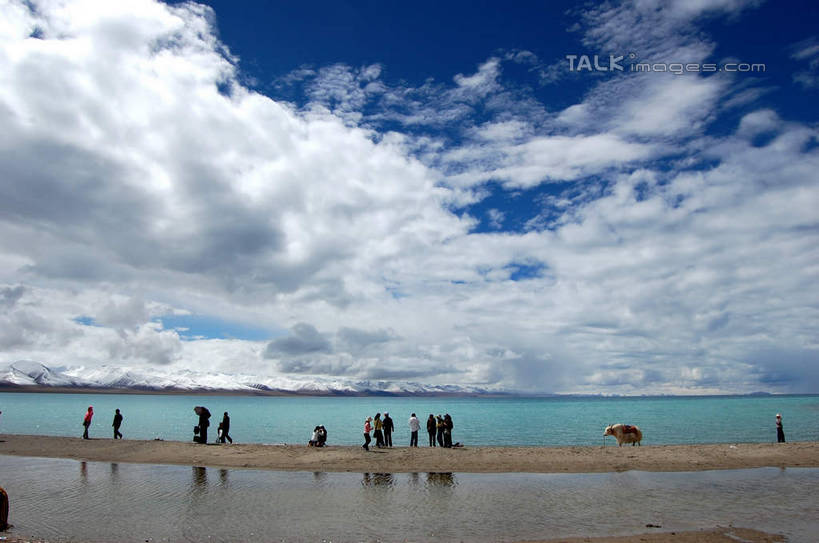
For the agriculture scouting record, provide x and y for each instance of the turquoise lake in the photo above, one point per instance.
(477, 421)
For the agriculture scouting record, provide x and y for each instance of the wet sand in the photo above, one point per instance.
(588, 459)
(715, 535)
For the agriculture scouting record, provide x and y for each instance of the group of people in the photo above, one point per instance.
(319, 438)
(86, 422)
(200, 431)
(439, 429)
(381, 428)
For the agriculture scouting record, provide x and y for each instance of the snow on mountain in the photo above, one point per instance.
(27, 373)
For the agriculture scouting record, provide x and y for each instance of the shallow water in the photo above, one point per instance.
(478, 421)
(92, 501)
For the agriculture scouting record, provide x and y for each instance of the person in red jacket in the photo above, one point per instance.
(86, 422)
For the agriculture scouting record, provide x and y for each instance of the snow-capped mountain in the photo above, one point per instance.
(27, 373)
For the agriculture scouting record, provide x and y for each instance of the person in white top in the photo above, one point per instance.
(414, 425)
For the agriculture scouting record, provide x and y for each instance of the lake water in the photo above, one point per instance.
(478, 421)
(91, 501)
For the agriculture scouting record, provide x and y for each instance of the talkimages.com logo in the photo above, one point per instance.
(629, 63)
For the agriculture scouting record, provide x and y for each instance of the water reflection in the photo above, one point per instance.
(200, 479)
(414, 479)
(377, 480)
(441, 479)
(175, 503)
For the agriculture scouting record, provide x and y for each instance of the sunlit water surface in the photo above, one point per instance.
(93, 501)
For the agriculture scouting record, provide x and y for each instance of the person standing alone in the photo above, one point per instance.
(780, 433)
(414, 425)
(86, 421)
(117, 424)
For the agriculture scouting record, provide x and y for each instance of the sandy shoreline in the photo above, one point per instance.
(587, 459)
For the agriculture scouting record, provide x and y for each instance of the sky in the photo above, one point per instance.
(543, 197)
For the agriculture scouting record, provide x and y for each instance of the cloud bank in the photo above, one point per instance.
(142, 179)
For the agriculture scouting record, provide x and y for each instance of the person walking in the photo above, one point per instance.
(225, 429)
(447, 431)
(367, 429)
(378, 424)
(439, 424)
(117, 424)
(414, 425)
(431, 429)
(388, 428)
(780, 433)
(86, 421)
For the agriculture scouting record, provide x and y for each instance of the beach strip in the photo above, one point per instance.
(585, 459)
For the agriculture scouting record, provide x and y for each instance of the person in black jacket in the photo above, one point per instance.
(432, 429)
(447, 430)
(117, 424)
(225, 429)
(204, 415)
(388, 428)
(780, 433)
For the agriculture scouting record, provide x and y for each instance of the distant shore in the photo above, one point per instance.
(586, 459)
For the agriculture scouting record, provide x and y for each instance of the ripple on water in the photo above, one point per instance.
(92, 501)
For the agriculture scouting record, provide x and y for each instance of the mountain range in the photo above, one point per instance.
(24, 374)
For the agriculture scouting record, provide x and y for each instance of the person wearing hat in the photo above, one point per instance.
(367, 429)
(388, 428)
(780, 433)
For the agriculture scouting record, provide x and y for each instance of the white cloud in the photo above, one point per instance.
(157, 185)
(545, 159)
(807, 50)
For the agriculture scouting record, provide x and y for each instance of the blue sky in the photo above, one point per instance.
(426, 192)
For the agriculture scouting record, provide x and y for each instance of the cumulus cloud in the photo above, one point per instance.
(303, 339)
(659, 257)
